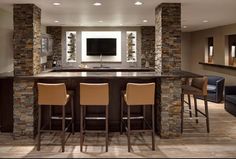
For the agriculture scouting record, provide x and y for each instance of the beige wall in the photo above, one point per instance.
(6, 46)
(186, 50)
(196, 53)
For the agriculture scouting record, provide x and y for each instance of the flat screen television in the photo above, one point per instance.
(101, 46)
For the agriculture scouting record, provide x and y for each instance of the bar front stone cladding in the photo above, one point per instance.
(170, 108)
(56, 33)
(148, 46)
(168, 59)
(27, 48)
(24, 108)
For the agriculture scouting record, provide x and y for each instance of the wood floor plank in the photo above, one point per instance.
(195, 142)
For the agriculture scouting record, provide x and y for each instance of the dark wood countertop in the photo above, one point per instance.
(218, 65)
(56, 75)
(49, 74)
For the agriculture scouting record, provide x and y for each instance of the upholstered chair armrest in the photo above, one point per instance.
(230, 90)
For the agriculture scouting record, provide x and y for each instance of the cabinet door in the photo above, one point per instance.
(6, 105)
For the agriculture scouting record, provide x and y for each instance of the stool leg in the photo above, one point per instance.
(144, 117)
(207, 114)
(50, 118)
(182, 112)
(72, 116)
(39, 128)
(63, 129)
(153, 129)
(189, 105)
(121, 114)
(196, 110)
(107, 128)
(128, 119)
(81, 128)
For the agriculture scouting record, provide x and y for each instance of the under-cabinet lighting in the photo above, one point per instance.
(233, 51)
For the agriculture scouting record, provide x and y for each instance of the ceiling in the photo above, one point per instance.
(125, 13)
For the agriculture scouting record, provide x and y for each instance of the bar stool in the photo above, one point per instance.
(92, 94)
(198, 87)
(54, 95)
(138, 94)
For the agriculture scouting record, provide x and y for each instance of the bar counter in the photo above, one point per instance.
(167, 104)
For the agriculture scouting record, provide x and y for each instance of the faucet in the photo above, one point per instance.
(101, 60)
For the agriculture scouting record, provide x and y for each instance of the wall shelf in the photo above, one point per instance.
(218, 65)
(131, 46)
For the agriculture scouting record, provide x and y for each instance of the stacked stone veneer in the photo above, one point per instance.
(24, 108)
(27, 39)
(168, 37)
(27, 47)
(167, 60)
(148, 46)
(170, 108)
(56, 33)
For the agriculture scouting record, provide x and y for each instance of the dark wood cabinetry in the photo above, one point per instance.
(6, 104)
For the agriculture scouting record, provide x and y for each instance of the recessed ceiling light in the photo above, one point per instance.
(205, 21)
(97, 4)
(121, 24)
(56, 21)
(145, 21)
(56, 4)
(100, 21)
(138, 3)
(184, 26)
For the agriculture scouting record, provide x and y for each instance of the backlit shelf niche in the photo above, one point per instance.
(210, 49)
(70, 46)
(131, 37)
(232, 45)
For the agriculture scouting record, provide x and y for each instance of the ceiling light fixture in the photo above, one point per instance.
(100, 21)
(56, 4)
(184, 26)
(97, 4)
(56, 21)
(205, 21)
(138, 3)
(145, 21)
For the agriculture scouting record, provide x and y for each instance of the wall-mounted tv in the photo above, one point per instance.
(101, 46)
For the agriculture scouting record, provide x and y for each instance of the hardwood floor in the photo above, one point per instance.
(195, 142)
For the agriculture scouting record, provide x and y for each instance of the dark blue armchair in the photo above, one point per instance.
(230, 99)
(215, 88)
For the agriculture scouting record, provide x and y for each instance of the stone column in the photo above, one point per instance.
(168, 59)
(148, 46)
(56, 33)
(27, 48)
